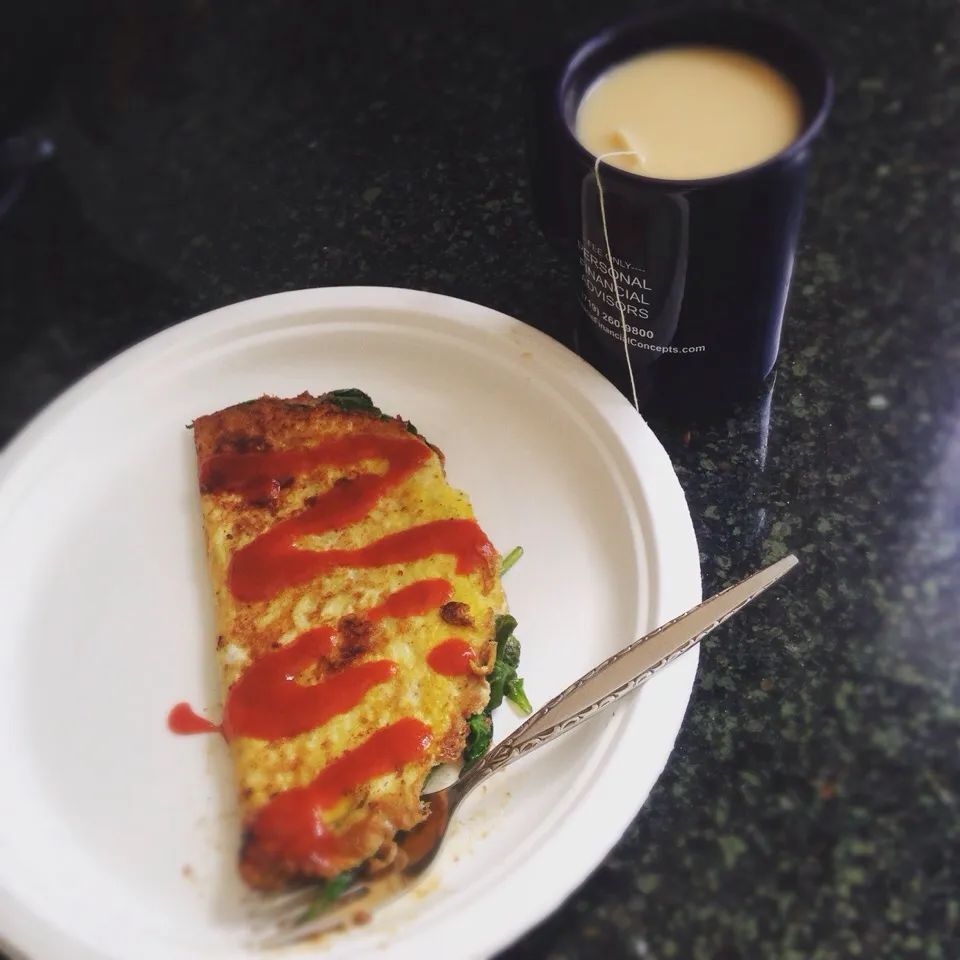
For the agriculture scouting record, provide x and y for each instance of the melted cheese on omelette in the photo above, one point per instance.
(340, 559)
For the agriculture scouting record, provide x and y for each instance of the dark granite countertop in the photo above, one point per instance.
(810, 809)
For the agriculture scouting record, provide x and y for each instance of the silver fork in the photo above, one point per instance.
(284, 913)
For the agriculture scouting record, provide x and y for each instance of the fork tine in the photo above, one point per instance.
(289, 932)
(287, 914)
(290, 913)
(359, 899)
(268, 905)
(284, 913)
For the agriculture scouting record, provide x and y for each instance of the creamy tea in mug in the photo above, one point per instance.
(689, 113)
(668, 159)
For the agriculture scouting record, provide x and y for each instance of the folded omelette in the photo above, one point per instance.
(357, 601)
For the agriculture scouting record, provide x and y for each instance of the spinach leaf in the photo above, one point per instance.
(503, 678)
(503, 628)
(515, 694)
(479, 735)
(504, 682)
(351, 400)
(497, 678)
(329, 893)
(510, 559)
(509, 653)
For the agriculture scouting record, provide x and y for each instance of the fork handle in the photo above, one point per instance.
(624, 672)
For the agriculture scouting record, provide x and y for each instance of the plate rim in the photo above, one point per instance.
(675, 593)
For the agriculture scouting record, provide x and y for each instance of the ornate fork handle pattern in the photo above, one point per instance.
(521, 742)
(593, 692)
(623, 673)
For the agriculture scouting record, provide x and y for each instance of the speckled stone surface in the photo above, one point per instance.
(812, 806)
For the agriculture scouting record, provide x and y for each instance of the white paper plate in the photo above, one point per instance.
(117, 839)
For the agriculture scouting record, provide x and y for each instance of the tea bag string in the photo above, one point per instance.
(613, 272)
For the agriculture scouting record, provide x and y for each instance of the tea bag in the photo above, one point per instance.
(625, 149)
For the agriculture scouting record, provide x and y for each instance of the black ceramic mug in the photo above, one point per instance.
(697, 271)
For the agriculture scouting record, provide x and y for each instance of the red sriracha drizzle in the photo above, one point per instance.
(290, 827)
(273, 562)
(268, 701)
(417, 598)
(183, 719)
(451, 658)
